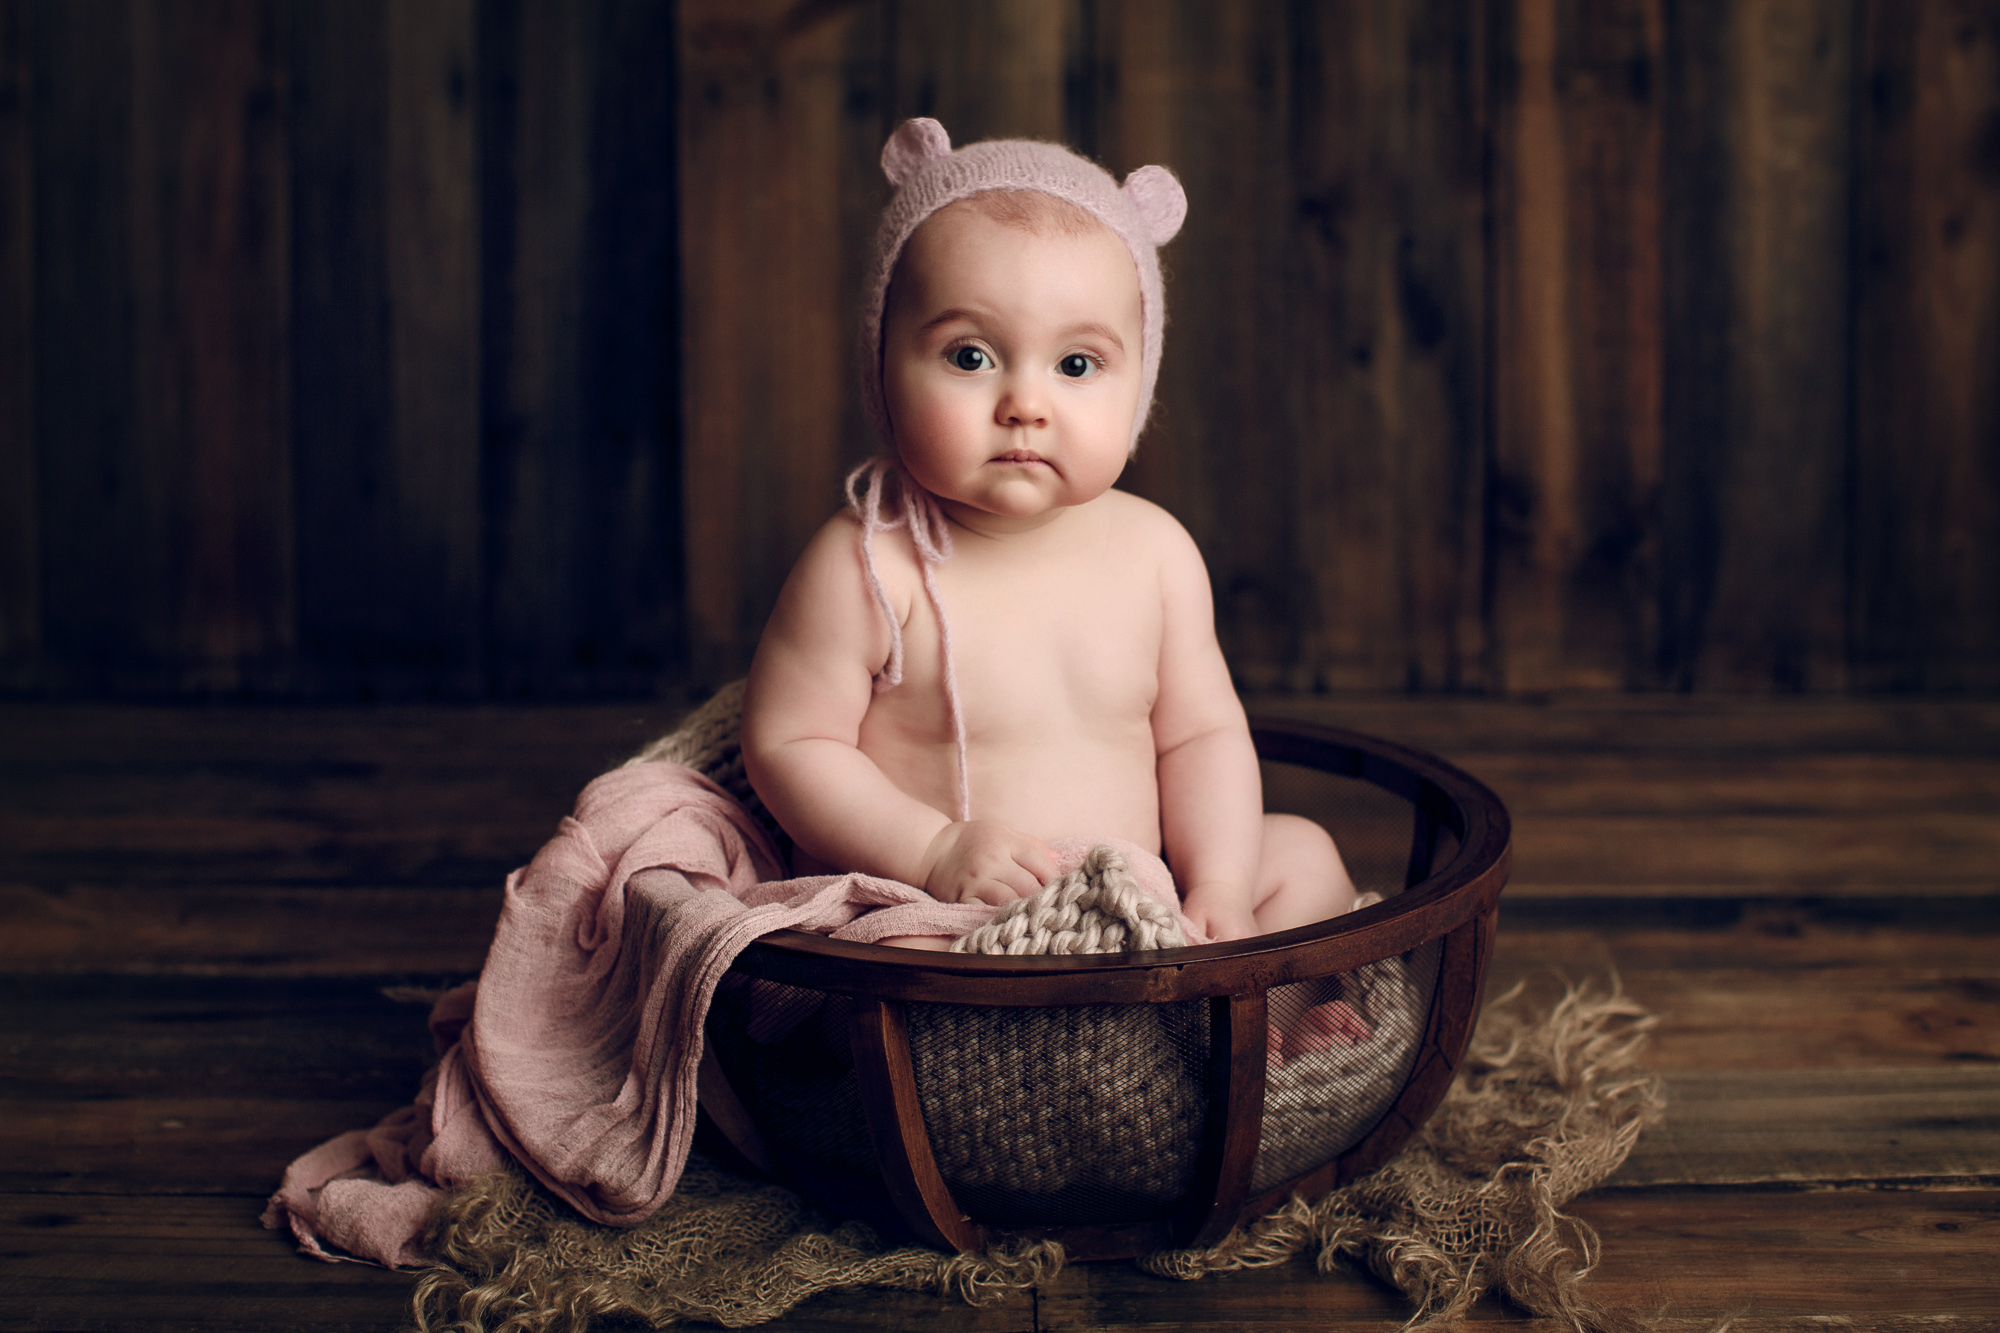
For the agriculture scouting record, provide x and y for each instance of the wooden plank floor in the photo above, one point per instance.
(205, 914)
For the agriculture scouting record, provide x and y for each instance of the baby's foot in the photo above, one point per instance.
(1323, 1027)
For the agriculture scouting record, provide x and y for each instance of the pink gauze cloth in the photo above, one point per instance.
(575, 1052)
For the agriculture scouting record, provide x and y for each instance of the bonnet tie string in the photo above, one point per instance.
(930, 534)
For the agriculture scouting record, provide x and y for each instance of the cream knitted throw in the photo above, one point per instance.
(1096, 908)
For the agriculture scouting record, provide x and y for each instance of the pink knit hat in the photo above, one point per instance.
(1145, 213)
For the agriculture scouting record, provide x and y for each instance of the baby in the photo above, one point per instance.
(1019, 655)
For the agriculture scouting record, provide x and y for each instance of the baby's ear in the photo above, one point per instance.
(1161, 202)
(914, 143)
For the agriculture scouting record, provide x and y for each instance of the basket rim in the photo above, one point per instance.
(1467, 884)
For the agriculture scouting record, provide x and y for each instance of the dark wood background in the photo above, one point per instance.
(384, 348)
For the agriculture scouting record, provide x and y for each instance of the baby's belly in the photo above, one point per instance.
(1051, 784)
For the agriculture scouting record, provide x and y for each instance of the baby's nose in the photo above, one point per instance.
(1021, 405)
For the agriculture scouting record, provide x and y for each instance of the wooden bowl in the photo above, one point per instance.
(1127, 1103)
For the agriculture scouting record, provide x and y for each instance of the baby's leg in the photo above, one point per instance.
(939, 943)
(1301, 878)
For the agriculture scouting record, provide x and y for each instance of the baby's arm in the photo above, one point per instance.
(1211, 793)
(809, 690)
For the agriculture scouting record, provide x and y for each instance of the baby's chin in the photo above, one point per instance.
(1016, 508)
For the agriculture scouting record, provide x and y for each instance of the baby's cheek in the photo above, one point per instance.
(929, 433)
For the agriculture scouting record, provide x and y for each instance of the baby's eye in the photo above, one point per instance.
(1077, 366)
(971, 358)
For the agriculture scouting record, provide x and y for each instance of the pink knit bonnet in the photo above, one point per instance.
(1145, 213)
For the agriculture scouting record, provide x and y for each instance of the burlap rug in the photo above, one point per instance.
(1544, 1108)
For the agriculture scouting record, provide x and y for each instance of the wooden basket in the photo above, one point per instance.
(976, 1130)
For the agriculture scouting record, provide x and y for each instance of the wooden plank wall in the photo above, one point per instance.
(337, 347)
(503, 349)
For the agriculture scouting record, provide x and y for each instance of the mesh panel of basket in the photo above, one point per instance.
(1343, 1047)
(1064, 1115)
(1094, 1114)
(785, 1051)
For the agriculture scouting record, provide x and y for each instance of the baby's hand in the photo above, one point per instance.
(1221, 912)
(984, 861)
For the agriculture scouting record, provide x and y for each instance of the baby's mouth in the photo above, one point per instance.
(1021, 456)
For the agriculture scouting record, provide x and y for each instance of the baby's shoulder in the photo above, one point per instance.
(1139, 525)
(1136, 516)
(831, 565)
(837, 542)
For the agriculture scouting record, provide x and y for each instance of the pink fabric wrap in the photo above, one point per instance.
(574, 1053)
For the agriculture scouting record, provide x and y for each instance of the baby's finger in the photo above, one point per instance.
(991, 892)
(1026, 882)
(1036, 857)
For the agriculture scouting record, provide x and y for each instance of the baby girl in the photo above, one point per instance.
(1017, 658)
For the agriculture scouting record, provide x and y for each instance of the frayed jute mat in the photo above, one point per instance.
(1545, 1107)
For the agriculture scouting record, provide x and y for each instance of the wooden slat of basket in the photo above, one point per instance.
(880, 1033)
(1238, 1052)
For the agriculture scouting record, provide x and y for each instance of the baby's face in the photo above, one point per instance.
(1011, 364)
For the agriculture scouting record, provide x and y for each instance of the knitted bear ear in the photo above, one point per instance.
(1160, 201)
(914, 143)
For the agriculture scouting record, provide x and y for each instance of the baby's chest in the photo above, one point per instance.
(1077, 644)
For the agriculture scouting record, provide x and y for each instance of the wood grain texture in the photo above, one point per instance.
(106, 1038)
(109, 1264)
(1755, 497)
(1203, 89)
(1697, 309)
(387, 306)
(1767, 1261)
(537, 70)
(431, 214)
(765, 355)
(164, 839)
(170, 1037)
(343, 407)
(212, 225)
(1385, 297)
(1939, 854)
(579, 464)
(1926, 558)
(20, 492)
(186, 1085)
(625, 534)
(455, 798)
(102, 593)
(172, 1145)
(1577, 289)
(248, 930)
(1715, 726)
(1819, 1126)
(986, 71)
(1812, 1008)
(1776, 615)
(1862, 1259)
(104, 1264)
(1522, 346)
